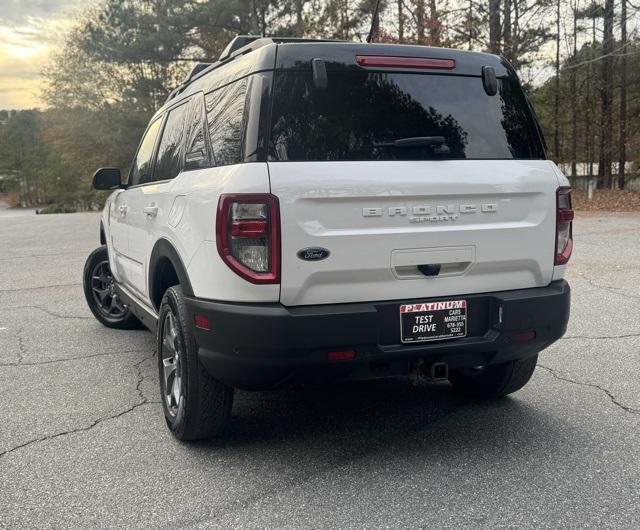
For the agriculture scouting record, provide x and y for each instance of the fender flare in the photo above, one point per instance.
(164, 249)
(103, 236)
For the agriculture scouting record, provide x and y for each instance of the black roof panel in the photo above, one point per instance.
(258, 55)
(343, 54)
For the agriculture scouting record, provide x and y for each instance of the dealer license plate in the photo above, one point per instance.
(427, 321)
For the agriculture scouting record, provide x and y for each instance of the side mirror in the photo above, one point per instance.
(107, 178)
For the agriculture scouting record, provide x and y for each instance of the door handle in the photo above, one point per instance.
(151, 211)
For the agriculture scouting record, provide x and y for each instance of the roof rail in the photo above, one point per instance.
(238, 42)
(238, 46)
(293, 40)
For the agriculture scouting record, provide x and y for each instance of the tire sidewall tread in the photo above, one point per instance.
(498, 381)
(205, 407)
(128, 320)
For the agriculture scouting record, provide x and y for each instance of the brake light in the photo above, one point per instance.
(564, 226)
(385, 61)
(248, 236)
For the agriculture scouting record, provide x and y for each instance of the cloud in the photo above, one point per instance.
(29, 29)
(22, 12)
(19, 93)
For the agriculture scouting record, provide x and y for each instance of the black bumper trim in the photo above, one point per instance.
(258, 346)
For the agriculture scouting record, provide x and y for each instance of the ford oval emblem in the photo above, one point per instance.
(313, 253)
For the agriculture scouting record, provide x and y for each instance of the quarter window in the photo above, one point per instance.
(170, 153)
(195, 144)
(143, 162)
(225, 118)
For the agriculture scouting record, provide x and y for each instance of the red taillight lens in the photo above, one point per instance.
(564, 226)
(248, 236)
(383, 61)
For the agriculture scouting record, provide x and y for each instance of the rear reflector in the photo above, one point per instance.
(202, 322)
(525, 336)
(341, 355)
(384, 61)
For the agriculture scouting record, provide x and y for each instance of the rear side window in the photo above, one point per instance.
(170, 153)
(142, 165)
(360, 114)
(195, 143)
(225, 118)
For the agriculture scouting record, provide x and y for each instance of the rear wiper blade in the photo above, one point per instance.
(414, 141)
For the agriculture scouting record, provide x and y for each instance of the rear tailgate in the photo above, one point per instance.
(401, 172)
(488, 224)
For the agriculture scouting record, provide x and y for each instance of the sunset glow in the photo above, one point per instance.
(29, 30)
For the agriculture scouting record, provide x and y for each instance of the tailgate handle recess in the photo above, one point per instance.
(430, 269)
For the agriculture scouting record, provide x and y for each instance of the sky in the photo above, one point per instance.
(28, 31)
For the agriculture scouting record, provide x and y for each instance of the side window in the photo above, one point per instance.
(225, 117)
(195, 143)
(170, 152)
(143, 163)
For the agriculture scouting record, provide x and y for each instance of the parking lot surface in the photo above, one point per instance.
(83, 441)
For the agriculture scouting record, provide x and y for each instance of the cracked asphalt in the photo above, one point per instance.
(83, 441)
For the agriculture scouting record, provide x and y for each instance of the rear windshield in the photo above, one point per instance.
(360, 115)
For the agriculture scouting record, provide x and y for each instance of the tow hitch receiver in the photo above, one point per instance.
(439, 372)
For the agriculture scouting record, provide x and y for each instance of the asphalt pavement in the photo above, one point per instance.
(83, 441)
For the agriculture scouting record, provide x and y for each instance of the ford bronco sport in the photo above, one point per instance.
(307, 212)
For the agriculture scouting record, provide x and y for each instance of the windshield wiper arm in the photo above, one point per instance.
(414, 141)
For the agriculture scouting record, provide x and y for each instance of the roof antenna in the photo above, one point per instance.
(373, 21)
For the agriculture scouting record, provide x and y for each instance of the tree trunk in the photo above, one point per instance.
(263, 19)
(434, 25)
(604, 169)
(506, 31)
(420, 22)
(255, 24)
(494, 26)
(299, 28)
(623, 98)
(514, 34)
(574, 95)
(590, 102)
(556, 117)
(470, 24)
(400, 22)
(375, 25)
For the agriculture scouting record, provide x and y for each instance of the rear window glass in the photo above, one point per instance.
(360, 114)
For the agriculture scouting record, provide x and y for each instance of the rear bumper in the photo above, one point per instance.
(259, 346)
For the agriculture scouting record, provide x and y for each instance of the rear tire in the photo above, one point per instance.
(494, 381)
(99, 290)
(196, 405)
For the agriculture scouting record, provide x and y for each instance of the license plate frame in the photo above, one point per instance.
(430, 316)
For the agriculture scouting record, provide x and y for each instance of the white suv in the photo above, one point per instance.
(308, 212)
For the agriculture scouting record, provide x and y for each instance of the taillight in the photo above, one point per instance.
(248, 236)
(386, 61)
(564, 228)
